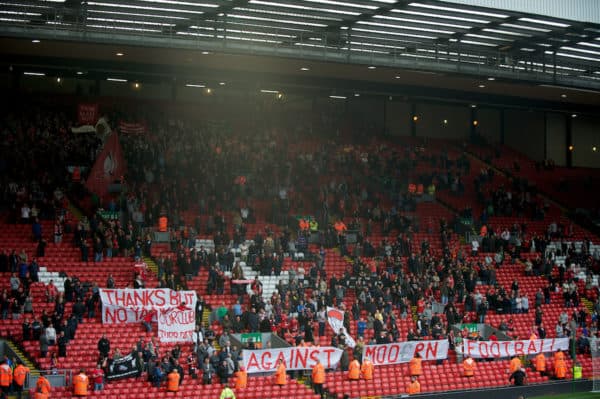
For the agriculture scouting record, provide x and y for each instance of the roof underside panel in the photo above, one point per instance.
(458, 31)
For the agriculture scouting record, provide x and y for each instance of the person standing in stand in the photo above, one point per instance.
(42, 388)
(98, 378)
(6, 378)
(366, 369)
(354, 370)
(19, 376)
(318, 378)
(280, 374)
(80, 384)
(414, 386)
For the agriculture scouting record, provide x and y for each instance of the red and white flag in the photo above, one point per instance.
(108, 167)
(335, 317)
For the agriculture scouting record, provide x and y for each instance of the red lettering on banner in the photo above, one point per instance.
(470, 347)
(483, 349)
(431, 351)
(266, 365)
(506, 345)
(532, 348)
(552, 346)
(253, 362)
(174, 299)
(419, 347)
(314, 356)
(519, 348)
(281, 356)
(329, 352)
(300, 359)
(393, 354)
(380, 355)
(118, 315)
(495, 349)
(370, 352)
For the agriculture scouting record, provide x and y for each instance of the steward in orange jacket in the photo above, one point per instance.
(173, 381)
(414, 366)
(354, 370)
(366, 369)
(515, 364)
(414, 386)
(42, 388)
(540, 363)
(318, 377)
(280, 377)
(241, 378)
(469, 367)
(80, 384)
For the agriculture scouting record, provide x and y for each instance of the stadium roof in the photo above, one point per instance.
(383, 30)
(450, 40)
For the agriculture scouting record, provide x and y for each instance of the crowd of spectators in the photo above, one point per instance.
(224, 178)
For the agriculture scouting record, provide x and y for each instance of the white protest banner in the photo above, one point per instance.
(497, 349)
(335, 317)
(294, 358)
(175, 322)
(402, 352)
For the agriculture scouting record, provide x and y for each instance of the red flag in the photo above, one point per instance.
(87, 114)
(109, 167)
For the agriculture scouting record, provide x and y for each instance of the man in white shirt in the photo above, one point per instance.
(474, 247)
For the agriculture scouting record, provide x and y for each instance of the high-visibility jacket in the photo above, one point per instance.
(367, 370)
(163, 224)
(227, 393)
(20, 374)
(469, 367)
(241, 379)
(6, 375)
(577, 372)
(314, 225)
(80, 384)
(173, 381)
(414, 387)
(540, 362)
(280, 377)
(42, 388)
(560, 369)
(354, 370)
(414, 366)
(515, 364)
(318, 374)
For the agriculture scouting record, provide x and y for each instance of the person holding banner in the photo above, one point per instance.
(318, 377)
(280, 374)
